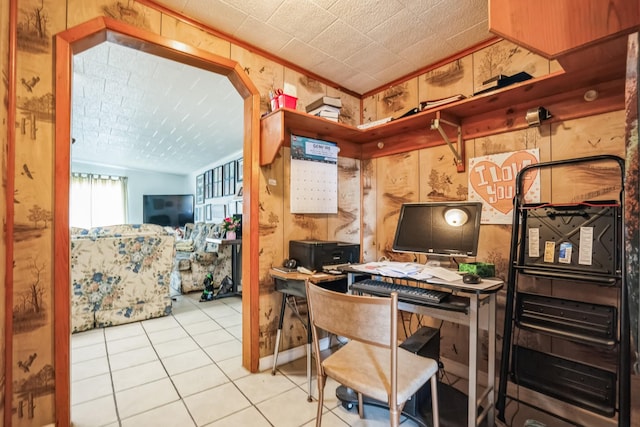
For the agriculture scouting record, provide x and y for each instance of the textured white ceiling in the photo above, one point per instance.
(358, 44)
(135, 110)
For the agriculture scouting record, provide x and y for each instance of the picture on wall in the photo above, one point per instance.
(239, 169)
(208, 184)
(231, 208)
(225, 187)
(218, 213)
(200, 189)
(217, 182)
(197, 215)
(207, 212)
(226, 180)
(492, 181)
(232, 171)
(232, 178)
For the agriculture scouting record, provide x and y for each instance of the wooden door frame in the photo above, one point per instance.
(79, 39)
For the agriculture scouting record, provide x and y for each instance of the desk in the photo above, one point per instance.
(292, 285)
(236, 264)
(480, 314)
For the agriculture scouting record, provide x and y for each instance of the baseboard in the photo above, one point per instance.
(289, 355)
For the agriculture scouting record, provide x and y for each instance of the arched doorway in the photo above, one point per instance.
(83, 37)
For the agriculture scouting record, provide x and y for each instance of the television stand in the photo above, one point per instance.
(236, 265)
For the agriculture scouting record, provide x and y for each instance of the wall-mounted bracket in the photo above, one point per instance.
(458, 151)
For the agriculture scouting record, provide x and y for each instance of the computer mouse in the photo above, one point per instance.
(471, 279)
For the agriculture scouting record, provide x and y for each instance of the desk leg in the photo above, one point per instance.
(309, 398)
(491, 369)
(472, 409)
(235, 274)
(275, 352)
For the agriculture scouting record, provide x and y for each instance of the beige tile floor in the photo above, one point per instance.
(185, 370)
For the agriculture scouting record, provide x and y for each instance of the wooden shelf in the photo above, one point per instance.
(487, 114)
(553, 28)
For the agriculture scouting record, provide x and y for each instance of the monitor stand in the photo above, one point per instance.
(440, 261)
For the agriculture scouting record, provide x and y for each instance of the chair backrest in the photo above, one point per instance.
(373, 320)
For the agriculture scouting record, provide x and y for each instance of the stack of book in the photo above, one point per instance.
(500, 81)
(371, 124)
(327, 107)
(432, 103)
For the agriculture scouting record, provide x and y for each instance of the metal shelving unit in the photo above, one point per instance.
(582, 244)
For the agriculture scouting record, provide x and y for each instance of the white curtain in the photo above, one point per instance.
(97, 200)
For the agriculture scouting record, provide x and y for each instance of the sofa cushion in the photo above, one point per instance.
(206, 257)
(183, 264)
(185, 245)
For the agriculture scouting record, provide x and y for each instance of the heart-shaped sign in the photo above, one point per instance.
(495, 181)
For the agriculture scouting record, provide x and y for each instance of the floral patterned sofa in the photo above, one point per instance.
(195, 257)
(119, 274)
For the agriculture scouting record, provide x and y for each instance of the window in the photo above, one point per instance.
(97, 200)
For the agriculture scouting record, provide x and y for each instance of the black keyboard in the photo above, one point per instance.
(405, 293)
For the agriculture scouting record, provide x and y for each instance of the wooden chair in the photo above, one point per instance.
(371, 363)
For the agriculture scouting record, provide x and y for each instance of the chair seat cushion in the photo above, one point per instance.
(364, 368)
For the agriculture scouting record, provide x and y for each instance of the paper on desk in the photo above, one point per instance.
(407, 269)
(369, 267)
(399, 269)
(421, 275)
(441, 273)
(390, 268)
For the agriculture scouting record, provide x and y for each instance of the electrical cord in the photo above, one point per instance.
(455, 261)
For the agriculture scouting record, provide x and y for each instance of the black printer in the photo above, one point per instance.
(318, 254)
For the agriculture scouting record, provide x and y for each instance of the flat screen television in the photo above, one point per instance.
(173, 210)
(439, 228)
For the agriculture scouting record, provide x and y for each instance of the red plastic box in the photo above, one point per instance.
(287, 101)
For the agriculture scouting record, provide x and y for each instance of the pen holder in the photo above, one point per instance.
(287, 101)
(274, 104)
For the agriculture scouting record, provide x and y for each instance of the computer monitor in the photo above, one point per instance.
(439, 228)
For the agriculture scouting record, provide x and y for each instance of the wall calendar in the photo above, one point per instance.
(314, 176)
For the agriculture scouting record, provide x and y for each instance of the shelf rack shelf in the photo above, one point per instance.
(503, 110)
(593, 256)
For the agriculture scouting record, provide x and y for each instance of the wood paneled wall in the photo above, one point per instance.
(430, 175)
(370, 192)
(7, 133)
(37, 23)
